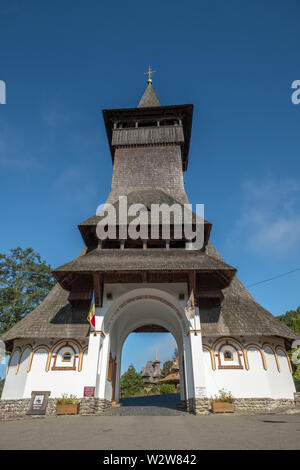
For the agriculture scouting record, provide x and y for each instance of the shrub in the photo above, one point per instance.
(167, 388)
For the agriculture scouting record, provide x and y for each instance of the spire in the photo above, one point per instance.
(149, 98)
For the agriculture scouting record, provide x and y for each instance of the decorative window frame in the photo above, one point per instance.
(56, 355)
(220, 343)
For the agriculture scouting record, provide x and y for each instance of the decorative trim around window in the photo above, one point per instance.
(229, 342)
(75, 356)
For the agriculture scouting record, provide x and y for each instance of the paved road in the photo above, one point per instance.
(154, 405)
(152, 432)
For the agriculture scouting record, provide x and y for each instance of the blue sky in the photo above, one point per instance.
(64, 61)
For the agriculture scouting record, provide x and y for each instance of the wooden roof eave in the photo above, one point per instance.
(88, 233)
(67, 278)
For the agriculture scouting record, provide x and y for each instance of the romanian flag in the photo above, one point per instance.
(92, 314)
(190, 307)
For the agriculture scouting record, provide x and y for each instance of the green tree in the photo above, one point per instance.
(131, 382)
(24, 282)
(166, 369)
(1, 386)
(292, 319)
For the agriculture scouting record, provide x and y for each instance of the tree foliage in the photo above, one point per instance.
(167, 388)
(166, 369)
(131, 382)
(1, 386)
(25, 280)
(292, 319)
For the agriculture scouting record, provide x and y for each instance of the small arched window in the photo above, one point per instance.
(228, 355)
(67, 357)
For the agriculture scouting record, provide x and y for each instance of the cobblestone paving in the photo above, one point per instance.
(154, 405)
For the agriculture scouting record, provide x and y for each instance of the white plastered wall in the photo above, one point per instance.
(20, 381)
(256, 382)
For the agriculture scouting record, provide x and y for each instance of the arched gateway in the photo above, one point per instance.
(142, 282)
(138, 310)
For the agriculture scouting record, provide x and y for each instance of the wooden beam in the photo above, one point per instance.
(98, 288)
(192, 283)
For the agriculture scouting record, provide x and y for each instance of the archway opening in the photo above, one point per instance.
(150, 372)
(146, 321)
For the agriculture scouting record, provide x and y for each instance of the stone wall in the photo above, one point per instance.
(262, 405)
(297, 399)
(18, 408)
(244, 405)
(14, 408)
(90, 406)
(202, 406)
(96, 406)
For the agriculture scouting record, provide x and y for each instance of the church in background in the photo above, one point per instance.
(151, 373)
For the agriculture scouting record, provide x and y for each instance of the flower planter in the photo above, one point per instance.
(67, 408)
(222, 407)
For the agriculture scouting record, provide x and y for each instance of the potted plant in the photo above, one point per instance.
(223, 402)
(67, 405)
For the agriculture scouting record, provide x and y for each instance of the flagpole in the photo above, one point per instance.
(190, 311)
(195, 333)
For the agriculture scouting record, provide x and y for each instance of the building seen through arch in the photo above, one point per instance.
(151, 373)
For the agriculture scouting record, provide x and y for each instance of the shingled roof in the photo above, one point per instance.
(53, 318)
(155, 259)
(149, 98)
(239, 315)
(147, 198)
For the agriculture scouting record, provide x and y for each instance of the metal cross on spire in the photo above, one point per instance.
(149, 73)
